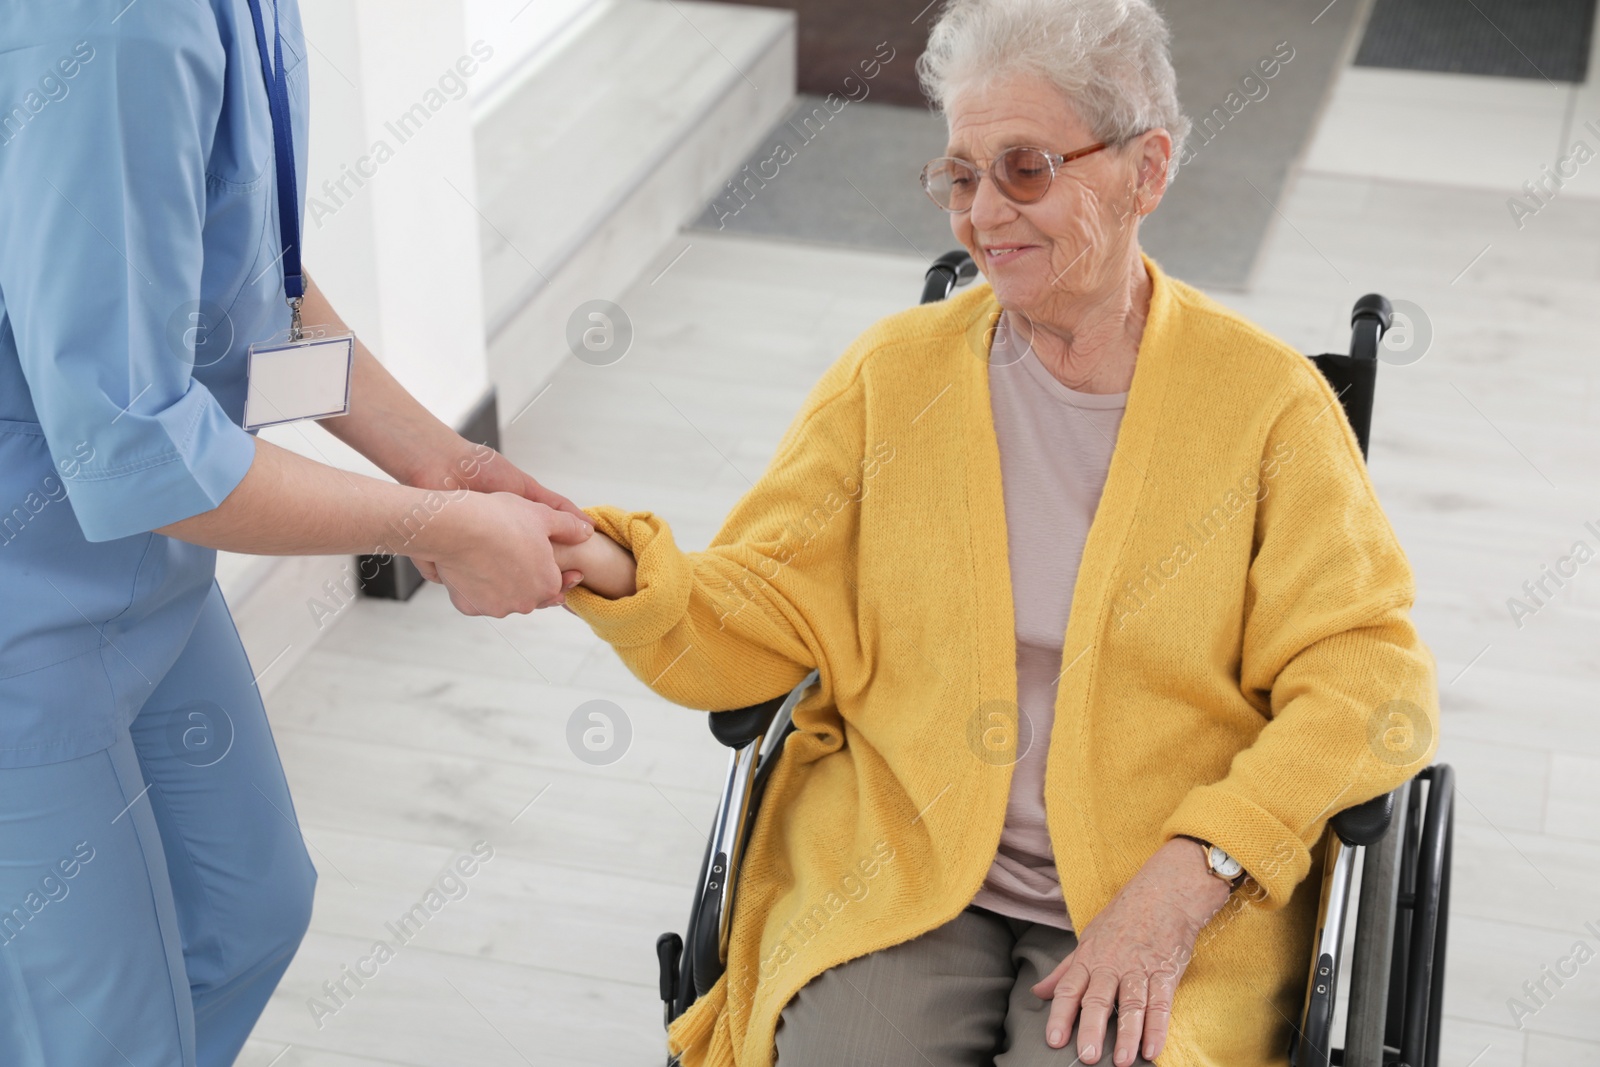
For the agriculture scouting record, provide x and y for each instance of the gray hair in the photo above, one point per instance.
(1110, 58)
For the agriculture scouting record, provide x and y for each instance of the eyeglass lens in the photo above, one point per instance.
(1023, 175)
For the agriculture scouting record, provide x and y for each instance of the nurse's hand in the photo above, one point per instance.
(493, 552)
(483, 470)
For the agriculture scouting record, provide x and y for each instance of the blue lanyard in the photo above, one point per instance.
(283, 155)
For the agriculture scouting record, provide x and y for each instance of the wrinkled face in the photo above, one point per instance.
(1078, 240)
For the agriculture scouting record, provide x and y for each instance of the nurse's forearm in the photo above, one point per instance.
(390, 427)
(386, 423)
(491, 550)
(290, 505)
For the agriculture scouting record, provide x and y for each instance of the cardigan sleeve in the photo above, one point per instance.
(1330, 657)
(748, 618)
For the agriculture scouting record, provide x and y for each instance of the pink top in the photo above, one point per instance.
(1055, 452)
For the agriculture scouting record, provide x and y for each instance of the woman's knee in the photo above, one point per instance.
(939, 998)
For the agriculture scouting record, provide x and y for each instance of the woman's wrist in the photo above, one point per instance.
(608, 568)
(1203, 893)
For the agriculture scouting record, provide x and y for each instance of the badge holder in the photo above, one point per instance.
(305, 376)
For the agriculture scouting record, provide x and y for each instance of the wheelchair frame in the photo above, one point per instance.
(1396, 980)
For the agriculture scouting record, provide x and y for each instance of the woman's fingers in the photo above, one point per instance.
(1045, 988)
(1095, 1016)
(1065, 993)
(569, 580)
(1130, 959)
(1131, 1017)
(1158, 1013)
(1141, 1001)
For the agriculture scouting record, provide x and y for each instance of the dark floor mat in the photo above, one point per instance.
(1543, 39)
(837, 36)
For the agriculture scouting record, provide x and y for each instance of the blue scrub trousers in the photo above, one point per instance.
(152, 894)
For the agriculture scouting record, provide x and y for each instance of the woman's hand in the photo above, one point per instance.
(606, 566)
(1131, 957)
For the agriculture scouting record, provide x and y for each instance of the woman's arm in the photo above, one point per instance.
(467, 516)
(409, 443)
(768, 600)
(1329, 654)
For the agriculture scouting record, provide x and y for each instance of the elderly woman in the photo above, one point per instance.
(1107, 618)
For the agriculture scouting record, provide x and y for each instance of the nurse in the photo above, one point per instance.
(153, 881)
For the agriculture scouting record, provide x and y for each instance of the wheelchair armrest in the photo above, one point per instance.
(738, 728)
(1365, 823)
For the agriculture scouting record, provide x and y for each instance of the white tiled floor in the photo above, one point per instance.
(1480, 132)
(1461, 130)
(412, 732)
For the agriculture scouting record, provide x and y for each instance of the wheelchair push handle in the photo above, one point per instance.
(1369, 321)
(1374, 306)
(669, 957)
(669, 948)
(950, 270)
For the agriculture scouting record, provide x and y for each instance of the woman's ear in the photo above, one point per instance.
(1155, 161)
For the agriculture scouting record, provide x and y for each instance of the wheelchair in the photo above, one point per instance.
(1395, 980)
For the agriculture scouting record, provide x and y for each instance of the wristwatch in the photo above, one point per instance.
(1221, 864)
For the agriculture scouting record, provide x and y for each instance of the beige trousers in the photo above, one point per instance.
(958, 996)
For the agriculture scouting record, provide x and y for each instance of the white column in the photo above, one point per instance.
(392, 237)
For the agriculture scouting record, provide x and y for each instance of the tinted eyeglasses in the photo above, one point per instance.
(1022, 174)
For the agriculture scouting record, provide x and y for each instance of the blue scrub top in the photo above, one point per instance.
(139, 256)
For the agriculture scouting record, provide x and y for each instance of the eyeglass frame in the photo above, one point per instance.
(1055, 159)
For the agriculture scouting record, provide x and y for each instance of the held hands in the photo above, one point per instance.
(1132, 955)
(606, 566)
(496, 555)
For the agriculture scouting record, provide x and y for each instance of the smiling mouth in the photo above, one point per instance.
(1004, 251)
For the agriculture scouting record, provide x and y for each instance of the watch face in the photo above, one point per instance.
(1225, 864)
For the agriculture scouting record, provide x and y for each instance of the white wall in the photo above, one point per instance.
(517, 30)
(397, 252)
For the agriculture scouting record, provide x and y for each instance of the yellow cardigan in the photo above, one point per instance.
(1239, 663)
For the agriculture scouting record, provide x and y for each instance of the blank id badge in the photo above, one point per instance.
(308, 378)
